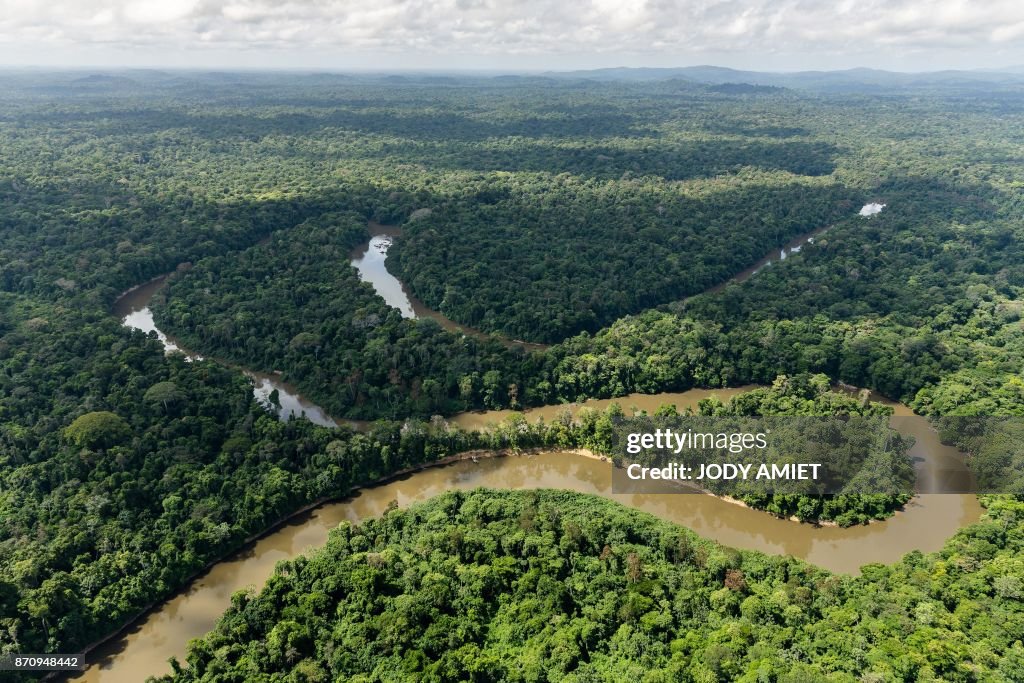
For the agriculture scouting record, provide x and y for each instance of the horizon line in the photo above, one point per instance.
(470, 70)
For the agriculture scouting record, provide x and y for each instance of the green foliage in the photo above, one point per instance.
(544, 260)
(577, 203)
(100, 429)
(551, 585)
(175, 464)
(810, 395)
(164, 394)
(995, 445)
(574, 205)
(281, 305)
(910, 319)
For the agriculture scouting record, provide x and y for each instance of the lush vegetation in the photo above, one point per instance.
(123, 472)
(932, 317)
(284, 305)
(921, 302)
(175, 464)
(541, 259)
(557, 586)
(908, 302)
(801, 395)
(994, 443)
(807, 395)
(163, 466)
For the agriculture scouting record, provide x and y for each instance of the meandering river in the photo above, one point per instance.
(369, 259)
(926, 522)
(788, 249)
(132, 309)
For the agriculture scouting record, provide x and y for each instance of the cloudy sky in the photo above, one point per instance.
(908, 35)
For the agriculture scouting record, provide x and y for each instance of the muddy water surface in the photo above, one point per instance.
(924, 525)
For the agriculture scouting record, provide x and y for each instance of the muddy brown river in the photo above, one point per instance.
(926, 522)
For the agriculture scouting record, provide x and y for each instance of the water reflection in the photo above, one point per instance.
(369, 259)
(132, 309)
(871, 209)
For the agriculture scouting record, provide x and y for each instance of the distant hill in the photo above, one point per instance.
(745, 88)
(1006, 81)
(847, 80)
(103, 81)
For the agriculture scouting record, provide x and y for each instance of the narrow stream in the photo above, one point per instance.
(369, 259)
(789, 248)
(132, 309)
(925, 523)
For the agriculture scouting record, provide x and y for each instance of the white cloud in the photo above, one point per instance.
(680, 30)
(1010, 32)
(158, 11)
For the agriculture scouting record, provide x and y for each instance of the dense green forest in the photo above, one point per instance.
(594, 215)
(557, 586)
(125, 472)
(920, 307)
(285, 305)
(800, 395)
(811, 395)
(921, 302)
(122, 506)
(543, 258)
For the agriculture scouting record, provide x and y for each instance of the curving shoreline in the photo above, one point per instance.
(731, 522)
(369, 259)
(132, 308)
(164, 629)
(207, 591)
(149, 638)
(273, 528)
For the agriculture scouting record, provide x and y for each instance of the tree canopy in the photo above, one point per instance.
(604, 218)
(97, 429)
(551, 585)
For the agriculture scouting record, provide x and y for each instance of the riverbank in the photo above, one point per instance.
(253, 538)
(476, 456)
(160, 630)
(132, 308)
(163, 632)
(369, 259)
